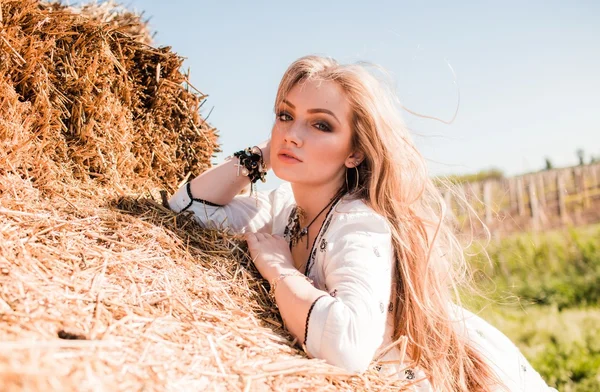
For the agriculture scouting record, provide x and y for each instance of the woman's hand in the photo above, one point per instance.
(265, 147)
(271, 254)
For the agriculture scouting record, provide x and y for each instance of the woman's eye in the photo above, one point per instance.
(323, 126)
(283, 116)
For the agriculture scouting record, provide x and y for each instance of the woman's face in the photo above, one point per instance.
(311, 140)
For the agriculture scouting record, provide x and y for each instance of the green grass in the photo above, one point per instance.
(563, 346)
(545, 296)
(559, 268)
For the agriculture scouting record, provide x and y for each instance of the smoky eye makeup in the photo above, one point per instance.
(323, 126)
(282, 115)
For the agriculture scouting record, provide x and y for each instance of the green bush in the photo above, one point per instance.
(559, 268)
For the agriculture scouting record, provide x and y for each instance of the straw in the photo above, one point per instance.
(102, 288)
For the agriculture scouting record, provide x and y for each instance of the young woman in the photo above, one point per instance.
(355, 246)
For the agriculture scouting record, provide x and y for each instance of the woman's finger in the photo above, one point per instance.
(250, 237)
(260, 236)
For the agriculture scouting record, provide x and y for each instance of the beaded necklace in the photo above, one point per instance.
(294, 232)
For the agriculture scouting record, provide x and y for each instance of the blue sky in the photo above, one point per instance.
(528, 72)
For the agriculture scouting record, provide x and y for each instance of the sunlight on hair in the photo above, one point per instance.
(394, 180)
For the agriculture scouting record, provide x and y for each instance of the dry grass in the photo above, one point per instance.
(82, 99)
(101, 287)
(127, 296)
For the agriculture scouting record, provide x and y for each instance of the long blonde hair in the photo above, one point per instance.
(430, 264)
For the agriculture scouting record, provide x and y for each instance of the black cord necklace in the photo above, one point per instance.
(294, 232)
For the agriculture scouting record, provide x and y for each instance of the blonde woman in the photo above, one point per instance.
(355, 244)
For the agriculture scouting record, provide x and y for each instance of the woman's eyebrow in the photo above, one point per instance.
(327, 111)
(324, 111)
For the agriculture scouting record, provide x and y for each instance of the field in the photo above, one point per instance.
(544, 292)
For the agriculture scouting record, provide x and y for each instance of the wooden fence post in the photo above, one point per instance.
(512, 194)
(581, 189)
(520, 198)
(594, 169)
(533, 205)
(475, 188)
(541, 189)
(560, 196)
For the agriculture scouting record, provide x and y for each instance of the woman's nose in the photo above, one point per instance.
(294, 134)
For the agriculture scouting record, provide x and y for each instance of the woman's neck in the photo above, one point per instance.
(312, 199)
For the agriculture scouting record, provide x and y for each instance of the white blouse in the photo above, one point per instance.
(352, 259)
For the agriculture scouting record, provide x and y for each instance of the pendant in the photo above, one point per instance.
(293, 233)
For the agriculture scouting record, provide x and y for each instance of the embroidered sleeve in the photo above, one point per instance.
(347, 329)
(243, 213)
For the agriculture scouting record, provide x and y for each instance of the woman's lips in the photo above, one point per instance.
(287, 159)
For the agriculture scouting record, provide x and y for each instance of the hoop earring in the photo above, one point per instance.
(356, 184)
(347, 186)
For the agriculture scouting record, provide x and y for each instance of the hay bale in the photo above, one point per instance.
(103, 107)
(99, 289)
(130, 297)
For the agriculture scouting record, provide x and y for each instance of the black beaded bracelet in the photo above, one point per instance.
(188, 188)
(251, 164)
(307, 319)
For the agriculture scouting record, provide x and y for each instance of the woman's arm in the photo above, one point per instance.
(347, 329)
(294, 295)
(221, 183)
(215, 199)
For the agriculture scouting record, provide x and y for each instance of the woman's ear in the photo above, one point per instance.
(354, 159)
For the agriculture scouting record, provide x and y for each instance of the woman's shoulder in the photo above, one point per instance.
(357, 227)
(352, 207)
(358, 215)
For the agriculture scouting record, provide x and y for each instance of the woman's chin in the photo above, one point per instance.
(283, 173)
